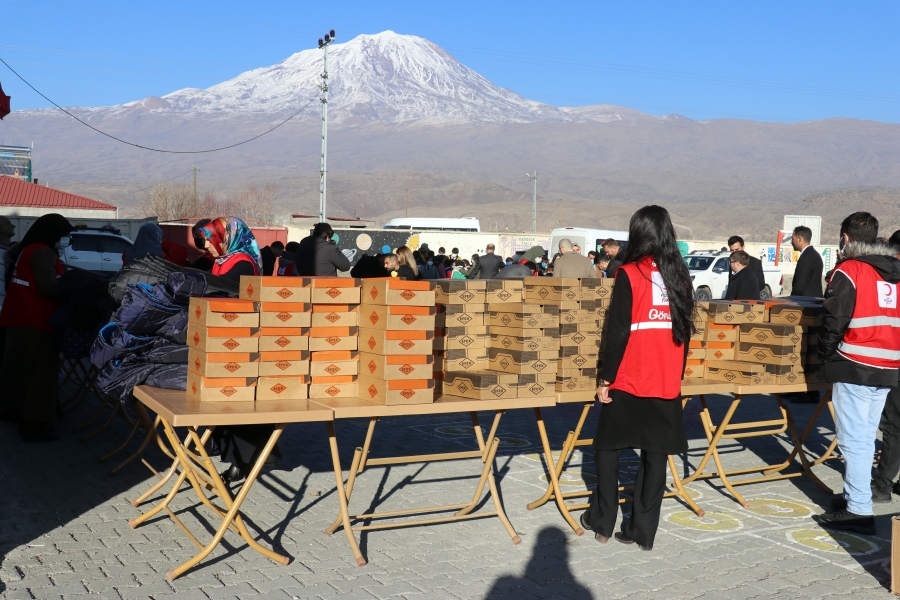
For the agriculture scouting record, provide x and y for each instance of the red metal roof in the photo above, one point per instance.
(15, 192)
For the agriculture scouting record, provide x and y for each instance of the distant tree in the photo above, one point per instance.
(169, 202)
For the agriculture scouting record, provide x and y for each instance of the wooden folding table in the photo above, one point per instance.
(175, 409)
(689, 389)
(726, 429)
(348, 408)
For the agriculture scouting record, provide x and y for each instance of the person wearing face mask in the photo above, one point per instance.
(233, 248)
(860, 350)
(30, 370)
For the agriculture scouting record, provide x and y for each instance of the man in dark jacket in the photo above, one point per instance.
(808, 274)
(488, 265)
(269, 254)
(860, 350)
(736, 243)
(743, 284)
(612, 248)
(318, 255)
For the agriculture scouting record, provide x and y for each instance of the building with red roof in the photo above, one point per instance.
(25, 199)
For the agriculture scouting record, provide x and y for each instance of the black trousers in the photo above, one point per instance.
(889, 464)
(649, 488)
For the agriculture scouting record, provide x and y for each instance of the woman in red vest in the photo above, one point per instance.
(233, 247)
(30, 370)
(649, 324)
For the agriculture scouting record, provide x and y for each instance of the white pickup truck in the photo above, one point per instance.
(709, 274)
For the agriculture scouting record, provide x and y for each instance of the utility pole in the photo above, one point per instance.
(329, 37)
(407, 201)
(533, 178)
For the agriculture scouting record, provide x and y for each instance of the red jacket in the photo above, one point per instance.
(873, 335)
(653, 364)
(234, 259)
(24, 305)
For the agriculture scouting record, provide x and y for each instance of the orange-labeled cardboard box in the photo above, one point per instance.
(718, 332)
(273, 339)
(387, 342)
(334, 363)
(394, 392)
(478, 385)
(334, 290)
(695, 369)
(275, 289)
(222, 339)
(220, 389)
(335, 315)
(325, 339)
(399, 318)
(696, 353)
(460, 291)
(504, 290)
(721, 351)
(379, 366)
(224, 364)
(284, 366)
(223, 312)
(283, 387)
(398, 291)
(333, 387)
(285, 314)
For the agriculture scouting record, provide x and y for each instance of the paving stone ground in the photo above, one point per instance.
(64, 524)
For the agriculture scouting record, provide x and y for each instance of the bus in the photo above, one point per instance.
(587, 239)
(434, 224)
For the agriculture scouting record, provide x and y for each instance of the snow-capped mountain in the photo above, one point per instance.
(385, 77)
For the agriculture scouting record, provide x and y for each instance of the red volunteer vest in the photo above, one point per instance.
(24, 305)
(231, 262)
(873, 335)
(653, 364)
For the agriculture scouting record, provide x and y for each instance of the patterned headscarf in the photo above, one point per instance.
(230, 235)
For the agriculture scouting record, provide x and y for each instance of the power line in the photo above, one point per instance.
(311, 100)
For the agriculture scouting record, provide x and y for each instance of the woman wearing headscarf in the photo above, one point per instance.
(30, 370)
(649, 324)
(233, 247)
(147, 243)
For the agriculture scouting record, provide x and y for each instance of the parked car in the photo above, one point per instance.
(94, 250)
(709, 274)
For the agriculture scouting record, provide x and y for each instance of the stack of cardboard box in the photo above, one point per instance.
(460, 335)
(334, 337)
(284, 321)
(223, 360)
(397, 323)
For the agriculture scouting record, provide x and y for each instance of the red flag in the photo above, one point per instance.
(4, 104)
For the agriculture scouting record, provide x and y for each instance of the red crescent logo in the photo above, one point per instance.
(889, 290)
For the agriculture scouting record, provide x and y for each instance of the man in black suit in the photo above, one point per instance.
(612, 248)
(736, 244)
(743, 285)
(488, 265)
(808, 274)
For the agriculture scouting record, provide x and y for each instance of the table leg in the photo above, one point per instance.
(552, 474)
(804, 462)
(713, 439)
(825, 401)
(564, 454)
(829, 452)
(680, 491)
(172, 470)
(342, 497)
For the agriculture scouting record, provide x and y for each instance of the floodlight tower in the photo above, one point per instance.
(323, 44)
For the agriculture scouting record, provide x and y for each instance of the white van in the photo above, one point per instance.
(587, 239)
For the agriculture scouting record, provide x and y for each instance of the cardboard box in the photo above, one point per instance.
(399, 318)
(477, 385)
(222, 339)
(285, 314)
(788, 336)
(504, 290)
(396, 391)
(416, 366)
(334, 290)
(460, 291)
(334, 363)
(785, 374)
(768, 355)
(285, 387)
(721, 351)
(574, 335)
(551, 290)
(576, 384)
(460, 315)
(274, 339)
(284, 366)
(734, 313)
(454, 338)
(738, 373)
(461, 360)
(571, 357)
(695, 369)
(522, 320)
(514, 361)
(696, 354)
(716, 332)
(398, 291)
(275, 289)
(333, 389)
(523, 342)
(576, 316)
(601, 289)
(223, 312)
(809, 315)
(335, 315)
(534, 385)
(333, 338)
(220, 389)
(386, 342)
(224, 364)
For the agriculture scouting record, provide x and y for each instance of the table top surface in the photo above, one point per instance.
(695, 387)
(180, 411)
(780, 389)
(349, 408)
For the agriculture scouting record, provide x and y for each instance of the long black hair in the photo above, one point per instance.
(650, 233)
(47, 230)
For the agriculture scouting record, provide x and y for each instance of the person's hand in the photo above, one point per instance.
(603, 393)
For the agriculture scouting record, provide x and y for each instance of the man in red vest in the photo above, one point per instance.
(860, 346)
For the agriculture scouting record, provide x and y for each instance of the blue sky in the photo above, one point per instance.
(773, 61)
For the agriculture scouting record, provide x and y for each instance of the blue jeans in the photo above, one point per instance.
(857, 410)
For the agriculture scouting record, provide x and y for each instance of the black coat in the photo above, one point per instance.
(319, 257)
(757, 268)
(268, 260)
(808, 274)
(743, 285)
(488, 266)
(612, 267)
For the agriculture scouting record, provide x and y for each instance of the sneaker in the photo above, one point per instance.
(625, 539)
(838, 502)
(896, 488)
(844, 520)
(879, 497)
(600, 538)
